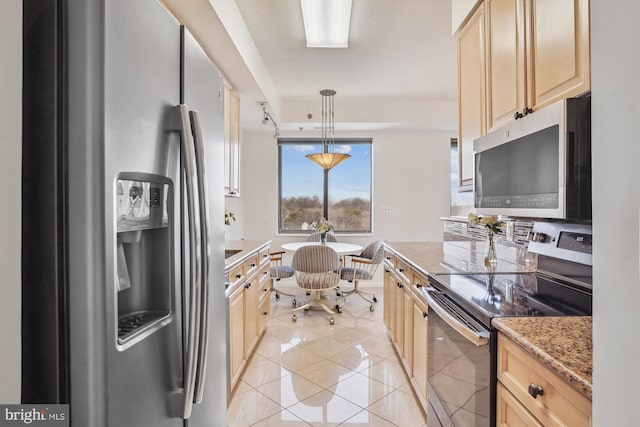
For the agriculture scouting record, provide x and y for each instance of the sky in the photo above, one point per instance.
(302, 177)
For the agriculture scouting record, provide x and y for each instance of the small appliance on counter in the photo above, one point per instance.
(462, 305)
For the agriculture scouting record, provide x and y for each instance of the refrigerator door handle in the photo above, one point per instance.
(192, 316)
(205, 316)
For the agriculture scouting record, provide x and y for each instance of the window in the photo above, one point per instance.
(307, 192)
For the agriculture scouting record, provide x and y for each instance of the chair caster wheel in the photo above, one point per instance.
(331, 321)
(371, 307)
(294, 303)
(338, 308)
(338, 295)
(375, 299)
(277, 295)
(294, 318)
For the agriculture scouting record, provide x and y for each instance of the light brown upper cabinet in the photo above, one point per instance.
(515, 57)
(537, 53)
(506, 70)
(559, 58)
(231, 141)
(471, 93)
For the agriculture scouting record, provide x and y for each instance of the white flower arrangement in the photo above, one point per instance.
(491, 222)
(322, 226)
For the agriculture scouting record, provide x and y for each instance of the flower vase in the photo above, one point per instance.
(323, 238)
(490, 257)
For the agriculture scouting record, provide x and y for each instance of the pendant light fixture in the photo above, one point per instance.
(328, 159)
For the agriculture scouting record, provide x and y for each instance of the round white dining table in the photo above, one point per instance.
(339, 247)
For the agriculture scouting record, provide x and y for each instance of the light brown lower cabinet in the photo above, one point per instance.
(249, 310)
(405, 316)
(236, 335)
(520, 377)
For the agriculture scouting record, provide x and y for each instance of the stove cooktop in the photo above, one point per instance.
(493, 295)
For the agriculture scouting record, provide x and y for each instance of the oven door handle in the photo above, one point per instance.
(477, 338)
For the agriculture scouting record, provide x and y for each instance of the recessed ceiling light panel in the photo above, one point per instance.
(326, 22)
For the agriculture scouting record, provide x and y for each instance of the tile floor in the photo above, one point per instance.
(311, 373)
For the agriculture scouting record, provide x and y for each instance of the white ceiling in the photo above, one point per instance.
(398, 48)
(398, 71)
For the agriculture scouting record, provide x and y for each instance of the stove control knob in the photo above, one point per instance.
(536, 237)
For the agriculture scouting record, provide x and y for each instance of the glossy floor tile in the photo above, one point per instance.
(310, 373)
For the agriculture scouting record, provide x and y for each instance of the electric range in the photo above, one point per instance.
(462, 365)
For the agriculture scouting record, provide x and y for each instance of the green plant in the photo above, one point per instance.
(228, 217)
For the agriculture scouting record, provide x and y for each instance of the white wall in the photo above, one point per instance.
(410, 174)
(615, 63)
(10, 194)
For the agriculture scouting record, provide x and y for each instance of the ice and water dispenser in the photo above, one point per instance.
(144, 255)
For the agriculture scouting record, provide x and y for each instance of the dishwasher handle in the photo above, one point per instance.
(477, 338)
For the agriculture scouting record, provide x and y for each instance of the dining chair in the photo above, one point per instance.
(279, 271)
(317, 269)
(363, 267)
(315, 237)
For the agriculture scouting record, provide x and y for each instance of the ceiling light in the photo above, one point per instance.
(328, 158)
(326, 22)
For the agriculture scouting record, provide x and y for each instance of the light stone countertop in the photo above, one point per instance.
(456, 256)
(562, 344)
(245, 247)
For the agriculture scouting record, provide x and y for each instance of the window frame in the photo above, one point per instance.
(325, 184)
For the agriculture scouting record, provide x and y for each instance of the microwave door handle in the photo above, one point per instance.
(205, 316)
(193, 314)
(477, 338)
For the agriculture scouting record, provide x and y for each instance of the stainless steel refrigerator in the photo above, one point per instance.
(123, 237)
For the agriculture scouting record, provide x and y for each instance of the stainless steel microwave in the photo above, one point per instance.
(538, 166)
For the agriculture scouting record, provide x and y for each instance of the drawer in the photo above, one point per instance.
(390, 258)
(559, 405)
(251, 264)
(236, 274)
(264, 283)
(510, 412)
(404, 270)
(263, 256)
(264, 311)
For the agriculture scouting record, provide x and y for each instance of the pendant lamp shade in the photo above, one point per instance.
(328, 159)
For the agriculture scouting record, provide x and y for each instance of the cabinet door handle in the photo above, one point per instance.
(265, 313)
(400, 285)
(247, 286)
(517, 115)
(526, 111)
(535, 390)
(424, 314)
(418, 285)
(266, 290)
(401, 270)
(238, 276)
(253, 264)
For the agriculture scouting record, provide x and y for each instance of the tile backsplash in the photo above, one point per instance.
(461, 229)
